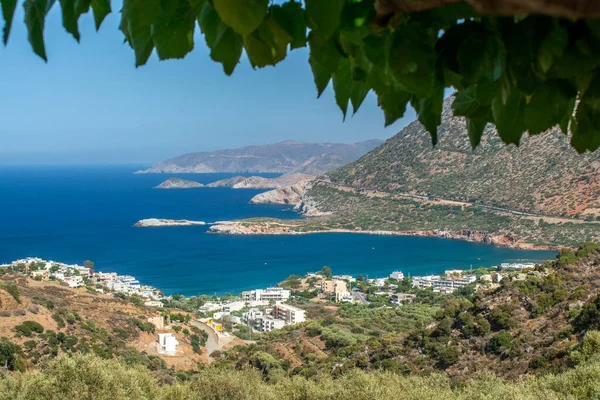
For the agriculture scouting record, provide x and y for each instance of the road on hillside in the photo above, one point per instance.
(212, 343)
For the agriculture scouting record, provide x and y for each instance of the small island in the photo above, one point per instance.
(156, 222)
(176, 183)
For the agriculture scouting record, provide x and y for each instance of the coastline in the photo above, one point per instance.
(494, 239)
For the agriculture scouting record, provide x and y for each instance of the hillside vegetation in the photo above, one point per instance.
(42, 320)
(535, 322)
(536, 336)
(543, 175)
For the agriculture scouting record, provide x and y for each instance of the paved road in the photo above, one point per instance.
(212, 343)
(360, 297)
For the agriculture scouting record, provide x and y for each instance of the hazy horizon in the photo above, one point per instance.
(90, 105)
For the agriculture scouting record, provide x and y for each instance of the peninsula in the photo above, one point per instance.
(177, 183)
(265, 226)
(157, 222)
(258, 182)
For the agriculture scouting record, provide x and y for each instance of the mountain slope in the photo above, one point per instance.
(543, 175)
(284, 157)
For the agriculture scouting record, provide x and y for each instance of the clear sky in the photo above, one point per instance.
(90, 104)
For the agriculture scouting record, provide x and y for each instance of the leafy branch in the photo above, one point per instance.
(524, 73)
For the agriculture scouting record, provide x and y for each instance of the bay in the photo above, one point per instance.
(74, 213)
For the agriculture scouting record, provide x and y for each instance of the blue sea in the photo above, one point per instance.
(71, 214)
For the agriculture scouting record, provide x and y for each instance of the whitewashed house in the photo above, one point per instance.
(167, 344)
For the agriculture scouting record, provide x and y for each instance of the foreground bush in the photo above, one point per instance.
(89, 377)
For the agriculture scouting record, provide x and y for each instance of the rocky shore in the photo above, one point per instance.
(176, 183)
(286, 195)
(495, 239)
(156, 222)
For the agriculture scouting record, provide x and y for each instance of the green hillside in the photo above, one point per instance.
(543, 175)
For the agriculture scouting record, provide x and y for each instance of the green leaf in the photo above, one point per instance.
(320, 74)
(564, 123)
(429, 109)
(326, 53)
(393, 103)
(244, 16)
(290, 17)
(549, 105)
(594, 26)
(137, 18)
(552, 47)
(359, 92)
(267, 45)
(342, 85)
(70, 17)
(509, 115)
(586, 126)
(324, 16)
(210, 24)
(82, 7)
(173, 31)
(356, 19)
(8, 11)
(389, 98)
(227, 49)
(482, 58)
(375, 49)
(466, 105)
(412, 60)
(35, 17)
(586, 129)
(475, 127)
(101, 9)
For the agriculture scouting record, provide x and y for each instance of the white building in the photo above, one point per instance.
(269, 294)
(347, 278)
(442, 285)
(289, 314)
(167, 344)
(397, 275)
(73, 281)
(516, 266)
(269, 323)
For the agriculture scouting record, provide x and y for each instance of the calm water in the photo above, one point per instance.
(71, 214)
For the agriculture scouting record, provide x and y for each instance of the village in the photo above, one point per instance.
(259, 311)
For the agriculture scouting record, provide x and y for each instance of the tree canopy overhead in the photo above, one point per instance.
(520, 64)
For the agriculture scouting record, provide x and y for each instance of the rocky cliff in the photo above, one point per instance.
(176, 183)
(285, 195)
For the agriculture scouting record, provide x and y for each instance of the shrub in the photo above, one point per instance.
(11, 289)
(9, 355)
(500, 343)
(27, 328)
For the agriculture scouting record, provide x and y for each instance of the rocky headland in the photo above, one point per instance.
(176, 183)
(285, 195)
(279, 228)
(258, 182)
(157, 222)
(228, 182)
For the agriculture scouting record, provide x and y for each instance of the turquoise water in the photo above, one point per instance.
(71, 214)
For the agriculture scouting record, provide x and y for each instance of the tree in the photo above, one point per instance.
(9, 354)
(521, 65)
(326, 271)
(89, 264)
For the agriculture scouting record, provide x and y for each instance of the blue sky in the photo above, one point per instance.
(89, 104)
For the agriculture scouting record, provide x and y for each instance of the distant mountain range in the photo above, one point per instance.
(283, 157)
